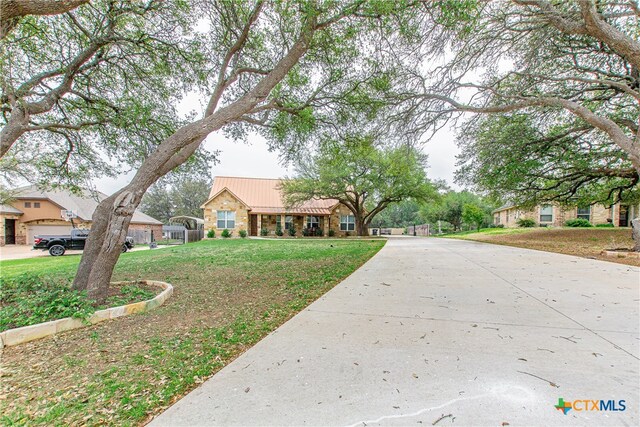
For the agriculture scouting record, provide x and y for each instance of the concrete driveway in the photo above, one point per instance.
(444, 332)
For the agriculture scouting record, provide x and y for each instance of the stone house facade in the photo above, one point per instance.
(36, 212)
(619, 214)
(255, 204)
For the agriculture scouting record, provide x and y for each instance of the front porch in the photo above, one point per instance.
(304, 225)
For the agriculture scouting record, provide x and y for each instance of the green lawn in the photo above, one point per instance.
(228, 295)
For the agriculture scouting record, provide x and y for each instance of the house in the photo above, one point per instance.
(619, 214)
(35, 212)
(254, 204)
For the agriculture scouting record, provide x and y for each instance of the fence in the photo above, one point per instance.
(140, 236)
(419, 230)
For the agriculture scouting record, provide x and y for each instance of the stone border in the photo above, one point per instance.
(24, 334)
(621, 254)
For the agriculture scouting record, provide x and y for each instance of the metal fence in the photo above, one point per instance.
(419, 230)
(140, 236)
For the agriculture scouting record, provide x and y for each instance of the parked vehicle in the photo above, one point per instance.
(58, 245)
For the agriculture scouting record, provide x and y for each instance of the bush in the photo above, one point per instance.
(211, 233)
(264, 231)
(226, 233)
(502, 225)
(319, 232)
(242, 233)
(279, 231)
(305, 232)
(605, 225)
(577, 222)
(332, 232)
(525, 223)
(292, 231)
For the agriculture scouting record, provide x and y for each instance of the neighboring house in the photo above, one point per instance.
(35, 212)
(252, 204)
(619, 214)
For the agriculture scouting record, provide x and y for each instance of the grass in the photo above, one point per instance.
(228, 295)
(585, 242)
(30, 298)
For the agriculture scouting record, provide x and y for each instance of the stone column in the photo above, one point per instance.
(259, 227)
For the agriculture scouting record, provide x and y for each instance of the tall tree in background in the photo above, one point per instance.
(362, 176)
(183, 196)
(450, 208)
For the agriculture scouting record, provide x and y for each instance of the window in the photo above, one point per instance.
(507, 220)
(27, 204)
(36, 204)
(546, 213)
(312, 222)
(226, 219)
(347, 223)
(584, 213)
(496, 219)
(288, 222)
(279, 222)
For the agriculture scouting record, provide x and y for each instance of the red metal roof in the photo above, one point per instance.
(263, 196)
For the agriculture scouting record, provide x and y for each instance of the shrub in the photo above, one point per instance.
(264, 231)
(226, 233)
(305, 232)
(502, 225)
(242, 233)
(211, 233)
(292, 231)
(332, 232)
(319, 232)
(577, 222)
(279, 231)
(605, 225)
(524, 223)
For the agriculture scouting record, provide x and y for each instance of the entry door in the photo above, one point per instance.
(624, 216)
(254, 225)
(10, 231)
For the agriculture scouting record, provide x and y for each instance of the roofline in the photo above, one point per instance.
(504, 208)
(248, 177)
(231, 192)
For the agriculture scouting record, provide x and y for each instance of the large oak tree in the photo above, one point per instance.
(364, 176)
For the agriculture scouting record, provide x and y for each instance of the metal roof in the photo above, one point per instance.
(83, 205)
(263, 196)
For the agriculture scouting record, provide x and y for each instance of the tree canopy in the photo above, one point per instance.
(183, 196)
(364, 176)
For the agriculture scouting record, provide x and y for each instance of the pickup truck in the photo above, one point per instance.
(58, 245)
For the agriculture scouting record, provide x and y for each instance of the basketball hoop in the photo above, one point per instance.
(68, 215)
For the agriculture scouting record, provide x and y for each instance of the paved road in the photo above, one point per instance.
(480, 334)
(27, 251)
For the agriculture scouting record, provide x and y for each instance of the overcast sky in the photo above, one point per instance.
(254, 160)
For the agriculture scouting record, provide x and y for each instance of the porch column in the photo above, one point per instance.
(259, 223)
(282, 219)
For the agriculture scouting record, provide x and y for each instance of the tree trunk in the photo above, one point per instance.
(362, 227)
(635, 233)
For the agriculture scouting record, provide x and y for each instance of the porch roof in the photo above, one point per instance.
(291, 211)
(8, 209)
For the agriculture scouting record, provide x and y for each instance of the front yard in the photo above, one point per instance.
(228, 295)
(585, 242)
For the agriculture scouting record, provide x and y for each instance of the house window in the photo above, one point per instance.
(496, 219)
(584, 213)
(312, 222)
(36, 204)
(226, 219)
(347, 223)
(507, 220)
(546, 213)
(27, 204)
(288, 222)
(279, 222)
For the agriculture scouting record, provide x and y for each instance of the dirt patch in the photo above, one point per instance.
(584, 242)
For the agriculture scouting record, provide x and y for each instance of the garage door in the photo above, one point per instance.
(46, 230)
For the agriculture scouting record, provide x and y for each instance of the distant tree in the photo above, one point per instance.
(449, 208)
(400, 214)
(184, 196)
(361, 175)
(473, 214)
